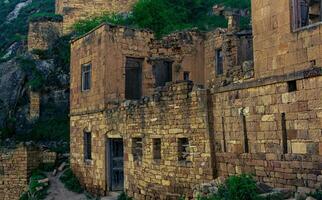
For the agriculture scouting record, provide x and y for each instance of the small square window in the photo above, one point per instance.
(186, 76)
(219, 64)
(292, 87)
(183, 149)
(88, 146)
(86, 77)
(137, 151)
(157, 149)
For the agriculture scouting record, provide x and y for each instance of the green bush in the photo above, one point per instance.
(317, 194)
(47, 167)
(39, 17)
(70, 181)
(36, 80)
(123, 196)
(33, 193)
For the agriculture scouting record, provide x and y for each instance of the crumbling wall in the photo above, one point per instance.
(178, 111)
(263, 128)
(43, 34)
(16, 166)
(75, 10)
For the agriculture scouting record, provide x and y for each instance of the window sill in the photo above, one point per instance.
(311, 26)
(88, 162)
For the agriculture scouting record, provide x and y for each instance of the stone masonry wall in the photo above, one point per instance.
(263, 102)
(15, 168)
(75, 10)
(43, 34)
(178, 111)
(278, 49)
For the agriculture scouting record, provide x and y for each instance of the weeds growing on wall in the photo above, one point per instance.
(166, 16)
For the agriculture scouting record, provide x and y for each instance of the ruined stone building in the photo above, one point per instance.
(157, 117)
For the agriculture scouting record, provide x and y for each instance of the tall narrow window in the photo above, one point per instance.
(86, 77)
(219, 62)
(284, 134)
(137, 145)
(88, 145)
(183, 149)
(157, 149)
(306, 12)
(223, 133)
(246, 145)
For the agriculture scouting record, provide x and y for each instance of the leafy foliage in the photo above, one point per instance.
(242, 187)
(317, 194)
(70, 181)
(34, 193)
(36, 79)
(234, 3)
(53, 129)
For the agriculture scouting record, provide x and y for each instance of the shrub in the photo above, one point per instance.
(123, 196)
(70, 181)
(33, 192)
(39, 17)
(317, 194)
(36, 79)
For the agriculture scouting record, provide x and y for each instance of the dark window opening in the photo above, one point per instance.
(88, 146)
(137, 149)
(246, 145)
(86, 77)
(162, 71)
(219, 62)
(306, 12)
(1, 170)
(183, 149)
(224, 134)
(292, 87)
(284, 134)
(133, 78)
(157, 149)
(186, 76)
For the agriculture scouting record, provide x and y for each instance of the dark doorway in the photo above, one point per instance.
(116, 162)
(133, 78)
(162, 71)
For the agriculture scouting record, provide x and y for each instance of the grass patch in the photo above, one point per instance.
(70, 181)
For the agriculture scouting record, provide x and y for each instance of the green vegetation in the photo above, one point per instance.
(166, 16)
(52, 129)
(45, 17)
(242, 187)
(123, 196)
(317, 194)
(36, 190)
(36, 79)
(71, 182)
(17, 29)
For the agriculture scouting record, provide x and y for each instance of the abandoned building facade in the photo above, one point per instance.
(155, 117)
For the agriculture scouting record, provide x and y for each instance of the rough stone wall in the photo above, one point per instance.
(107, 48)
(75, 10)
(176, 112)
(34, 105)
(15, 168)
(277, 48)
(43, 34)
(237, 57)
(263, 102)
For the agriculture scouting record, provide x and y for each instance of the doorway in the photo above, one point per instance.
(116, 164)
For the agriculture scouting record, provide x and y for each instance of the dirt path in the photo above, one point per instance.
(57, 191)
